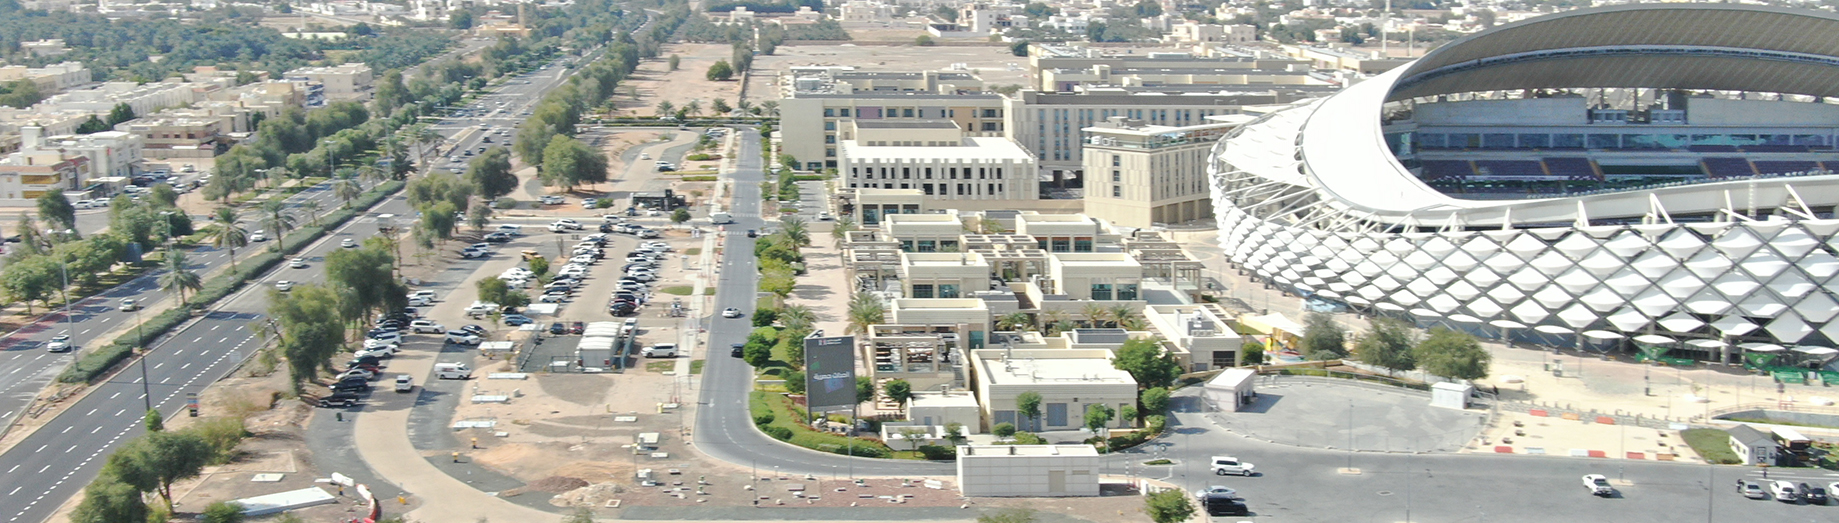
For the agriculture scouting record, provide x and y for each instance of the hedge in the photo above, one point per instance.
(98, 361)
(778, 433)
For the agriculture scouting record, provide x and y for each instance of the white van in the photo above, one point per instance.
(661, 350)
(452, 371)
(514, 230)
(721, 218)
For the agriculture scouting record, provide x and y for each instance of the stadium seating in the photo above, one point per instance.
(1784, 166)
(1775, 148)
(1572, 168)
(1434, 169)
(1712, 148)
(1728, 167)
(1515, 168)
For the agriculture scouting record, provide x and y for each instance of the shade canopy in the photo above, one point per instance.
(1552, 329)
(1603, 335)
(1705, 344)
(1464, 318)
(1816, 351)
(1652, 339)
(1507, 324)
(1762, 347)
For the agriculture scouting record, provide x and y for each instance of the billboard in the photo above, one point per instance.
(830, 372)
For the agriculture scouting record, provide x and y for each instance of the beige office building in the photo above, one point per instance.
(935, 157)
(1140, 175)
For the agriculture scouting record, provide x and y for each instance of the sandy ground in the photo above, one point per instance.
(655, 81)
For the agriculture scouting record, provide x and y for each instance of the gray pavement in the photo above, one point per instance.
(1336, 414)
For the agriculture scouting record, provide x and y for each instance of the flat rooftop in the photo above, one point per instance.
(1068, 371)
(972, 150)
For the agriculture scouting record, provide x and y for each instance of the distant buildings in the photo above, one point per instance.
(935, 157)
(342, 82)
(35, 169)
(820, 103)
(50, 79)
(1140, 175)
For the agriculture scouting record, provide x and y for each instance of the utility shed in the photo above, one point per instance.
(1028, 470)
(284, 501)
(1231, 389)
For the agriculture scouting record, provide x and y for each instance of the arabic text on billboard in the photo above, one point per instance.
(830, 372)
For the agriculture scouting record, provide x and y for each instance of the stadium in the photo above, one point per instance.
(1654, 176)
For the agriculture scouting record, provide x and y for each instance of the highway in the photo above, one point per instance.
(61, 457)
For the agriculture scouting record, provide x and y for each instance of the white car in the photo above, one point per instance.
(379, 344)
(425, 326)
(1598, 485)
(348, 243)
(824, 217)
(60, 343)
(1783, 491)
(298, 263)
(552, 200)
(731, 312)
(128, 304)
(642, 276)
(284, 286)
(553, 297)
(1223, 465)
(462, 338)
(658, 246)
(569, 223)
(258, 236)
(422, 294)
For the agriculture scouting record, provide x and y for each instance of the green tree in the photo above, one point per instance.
(946, 13)
(720, 72)
(540, 267)
(494, 290)
(1128, 412)
(439, 187)
(310, 329)
(569, 163)
(368, 273)
(34, 278)
(693, 108)
(154, 421)
(1323, 339)
(675, 61)
(223, 512)
(153, 462)
(757, 355)
(1015, 321)
(491, 175)
(1097, 417)
(478, 216)
(229, 235)
(794, 381)
(720, 107)
(794, 229)
(924, 41)
(898, 390)
(1003, 430)
(680, 215)
(1253, 353)
(1028, 407)
(460, 19)
(865, 389)
(179, 277)
(1389, 345)
(347, 190)
(839, 230)
(56, 210)
(865, 309)
(1155, 400)
(276, 217)
(92, 126)
(439, 220)
(1453, 354)
(665, 108)
(109, 500)
(1168, 506)
(1146, 362)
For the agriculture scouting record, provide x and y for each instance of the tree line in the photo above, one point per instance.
(1396, 346)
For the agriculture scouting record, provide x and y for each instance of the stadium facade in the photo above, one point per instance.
(1648, 172)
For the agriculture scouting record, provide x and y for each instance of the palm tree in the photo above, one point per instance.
(865, 309)
(371, 174)
(275, 176)
(347, 190)
(229, 235)
(743, 105)
(312, 209)
(795, 230)
(693, 108)
(178, 277)
(275, 217)
(771, 107)
(1135, 323)
(1095, 314)
(797, 317)
(1120, 313)
(1054, 320)
(665, 108)
(423, 137)
(1015, 321)
(841, 229)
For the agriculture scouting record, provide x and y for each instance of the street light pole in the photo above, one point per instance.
(146, 388)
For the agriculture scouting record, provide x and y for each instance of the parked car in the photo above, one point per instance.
(661, 350)
(339, 399)
(425, 326)
(1215, 490)
(550, 199)
(558, 328)
(578, 327)
(469, 253)
(405, 383)
(355, 373)
(474, 329)
(1783, 491)
(462, 338)
(497, 237)
(1224, 506)
(515, 320)
(1815, 495)
(1599, 485)
(569, 223)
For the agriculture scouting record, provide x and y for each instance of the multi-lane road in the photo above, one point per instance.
(43, 470)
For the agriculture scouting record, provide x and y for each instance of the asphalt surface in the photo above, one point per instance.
(207, 349)
(724, 428)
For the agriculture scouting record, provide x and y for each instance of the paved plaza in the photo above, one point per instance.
(1338, 414)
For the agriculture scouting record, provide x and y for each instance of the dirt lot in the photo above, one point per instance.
(993, 63)
(655, 81)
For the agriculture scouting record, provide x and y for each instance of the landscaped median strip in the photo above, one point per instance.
(96, 363)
